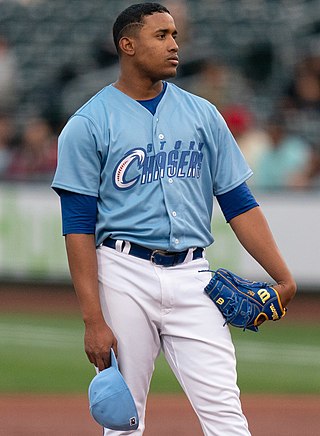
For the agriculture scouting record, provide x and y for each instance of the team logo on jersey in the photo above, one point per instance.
(143, 166)
(119, 175)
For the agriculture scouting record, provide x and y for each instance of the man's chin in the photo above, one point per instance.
(169, 74)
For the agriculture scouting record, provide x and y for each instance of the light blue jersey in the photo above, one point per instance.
(154, 175)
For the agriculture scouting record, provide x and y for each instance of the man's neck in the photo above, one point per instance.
(138, 89)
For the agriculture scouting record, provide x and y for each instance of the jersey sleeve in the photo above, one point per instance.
(79, 157)
(231, 167)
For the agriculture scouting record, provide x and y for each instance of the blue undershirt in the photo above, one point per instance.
(79, 212)
(236, 201)
(152, 104)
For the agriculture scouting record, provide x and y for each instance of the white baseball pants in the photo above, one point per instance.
(151, 308)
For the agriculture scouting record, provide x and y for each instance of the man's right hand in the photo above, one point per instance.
(98, 340)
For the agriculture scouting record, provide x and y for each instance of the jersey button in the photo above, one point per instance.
(161, 136)
(170, 180)
(176, 241)
(174, 213)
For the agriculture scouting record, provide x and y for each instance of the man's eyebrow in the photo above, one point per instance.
(167, 31)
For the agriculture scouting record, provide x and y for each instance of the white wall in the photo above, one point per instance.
(32, 248)
(294, 219)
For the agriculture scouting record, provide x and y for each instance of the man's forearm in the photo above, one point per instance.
(254, 234)
(82, 259)
(99, 338)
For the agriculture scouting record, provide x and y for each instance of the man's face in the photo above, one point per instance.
(156, 50)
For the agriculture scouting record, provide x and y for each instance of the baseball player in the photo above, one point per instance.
(138, 167)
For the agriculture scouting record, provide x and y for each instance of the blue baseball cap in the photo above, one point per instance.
(111, 402)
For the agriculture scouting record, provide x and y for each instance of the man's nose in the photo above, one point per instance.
(173, 45)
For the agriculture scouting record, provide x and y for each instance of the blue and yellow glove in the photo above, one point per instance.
(243, 302)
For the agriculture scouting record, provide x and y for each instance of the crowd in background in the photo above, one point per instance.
(27, 150)
(281, 143)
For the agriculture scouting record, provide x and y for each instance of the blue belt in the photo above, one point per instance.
(158, 257)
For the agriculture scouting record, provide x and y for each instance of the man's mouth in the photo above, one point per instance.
(174, 60)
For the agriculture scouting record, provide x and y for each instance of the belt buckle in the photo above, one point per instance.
(162, 252)
(174, 256)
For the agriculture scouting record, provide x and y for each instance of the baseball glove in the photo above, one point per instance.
(242, 302)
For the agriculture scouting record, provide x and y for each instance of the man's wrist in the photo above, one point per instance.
(287, 291)
(93, 319)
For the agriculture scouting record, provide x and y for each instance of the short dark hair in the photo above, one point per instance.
(133, 15)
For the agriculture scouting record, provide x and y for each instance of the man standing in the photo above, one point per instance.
(138, 167)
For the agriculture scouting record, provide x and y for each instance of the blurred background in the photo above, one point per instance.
(258, 61)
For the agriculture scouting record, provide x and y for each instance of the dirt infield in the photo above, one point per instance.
(166, 416)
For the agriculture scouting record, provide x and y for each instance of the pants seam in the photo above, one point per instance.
(181, 381)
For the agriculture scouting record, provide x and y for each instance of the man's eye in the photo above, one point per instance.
(161, 36)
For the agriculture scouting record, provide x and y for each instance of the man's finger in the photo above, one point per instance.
(101, 363)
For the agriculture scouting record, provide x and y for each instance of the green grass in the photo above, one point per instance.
(45, 354)
(42, 354)
(279, 358)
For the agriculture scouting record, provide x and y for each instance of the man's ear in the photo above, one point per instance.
(126, 45)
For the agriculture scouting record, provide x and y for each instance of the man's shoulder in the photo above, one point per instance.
(94, 112)
(97, 103)
(177, 91)
(91, 115)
